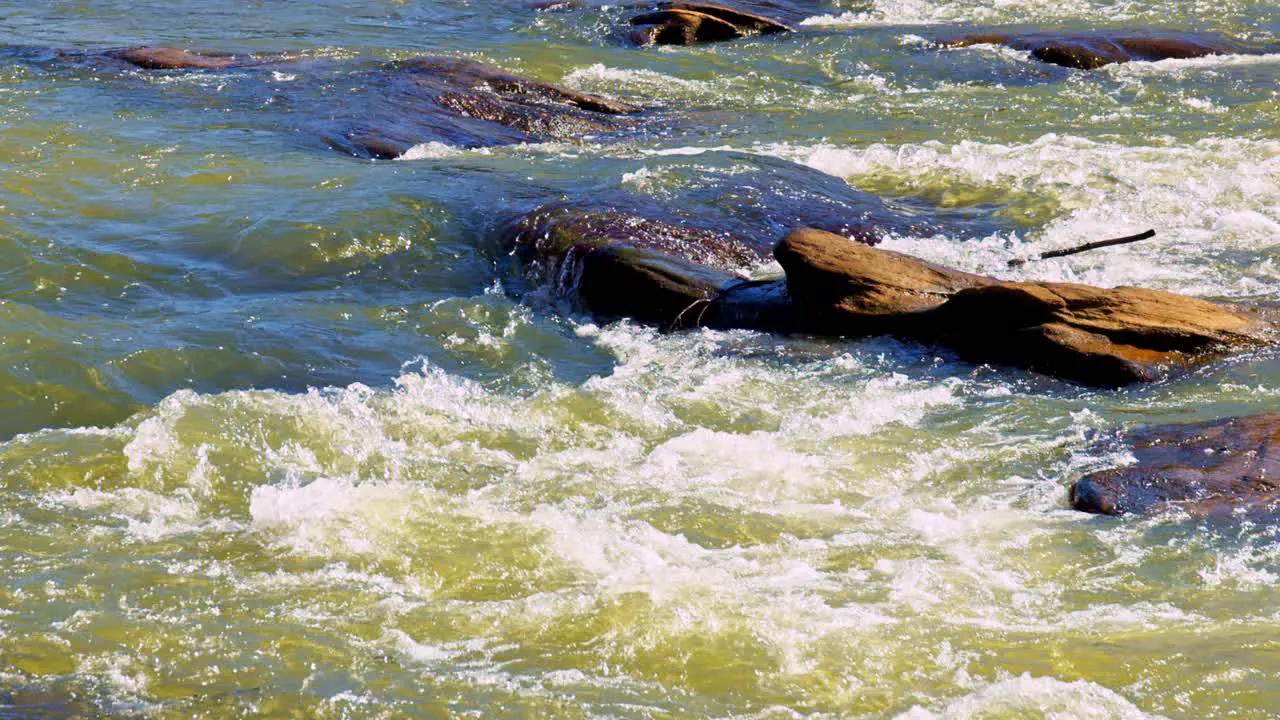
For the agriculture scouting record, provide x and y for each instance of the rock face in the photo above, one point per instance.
(1210, 469)
(1092, 51)
(668, 274)
(688, 23)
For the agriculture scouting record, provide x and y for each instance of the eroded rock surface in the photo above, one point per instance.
(689, 23)
(1211, 469)
(1095, 50)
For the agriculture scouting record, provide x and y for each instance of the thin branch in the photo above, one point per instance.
(1086, 247)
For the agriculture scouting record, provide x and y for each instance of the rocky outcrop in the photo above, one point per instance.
(1099, 336)
(1105, 337)
(669, 274)
(1221, 468)
(1094, 50)
(689, 23)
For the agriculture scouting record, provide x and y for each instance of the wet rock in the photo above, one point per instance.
(467, 104)
(617, 263)
(1092, 51)
(627, 255)
(1211, 469)
(168, 58)
(687, 23)
(670, 273)
(1096, 336)
(858, 290)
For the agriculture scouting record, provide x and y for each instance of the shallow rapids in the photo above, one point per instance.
(280, 440)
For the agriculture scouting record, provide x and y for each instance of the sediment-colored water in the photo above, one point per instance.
(278, 442)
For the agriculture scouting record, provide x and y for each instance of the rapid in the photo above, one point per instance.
(279, 440)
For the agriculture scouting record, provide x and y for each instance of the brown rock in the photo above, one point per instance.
(863, 290)
(1107, 337)
(1092, 51)
(1210, 469)
(1096, 336)
(677, 275)
(686, 23)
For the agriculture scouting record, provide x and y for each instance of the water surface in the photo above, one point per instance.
(279, 441)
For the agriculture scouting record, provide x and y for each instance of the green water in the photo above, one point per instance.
(278, 441)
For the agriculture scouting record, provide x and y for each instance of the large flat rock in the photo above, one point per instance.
(1098, 336)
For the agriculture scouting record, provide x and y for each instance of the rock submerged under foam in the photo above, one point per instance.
(836, 287)
(1217, 469)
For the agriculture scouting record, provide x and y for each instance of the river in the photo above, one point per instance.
(278, 441)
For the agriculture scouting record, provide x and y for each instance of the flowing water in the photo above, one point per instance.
(278, 441)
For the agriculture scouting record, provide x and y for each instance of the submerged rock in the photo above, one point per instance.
(168, 58)
(677, 276)
(1094, 50)
(469, 104)
(381, 110)
(1209, 469)
(690, 23)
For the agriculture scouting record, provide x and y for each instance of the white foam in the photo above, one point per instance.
(1183, 67)
(927, 12)
(1026, 696)
(1213, 196)
(437, 150)
(602, 78)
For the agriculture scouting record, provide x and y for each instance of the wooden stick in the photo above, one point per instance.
(1087, 246)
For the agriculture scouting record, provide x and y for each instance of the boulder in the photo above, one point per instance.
(688, 23)
(1096, 336)
(623, 264)
(1220, 468)
(1094, 50)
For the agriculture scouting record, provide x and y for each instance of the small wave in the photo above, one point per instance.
(1188, 66)
(437, 150)
(1026, 696)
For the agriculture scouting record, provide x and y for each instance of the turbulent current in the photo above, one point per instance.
(279, 440)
